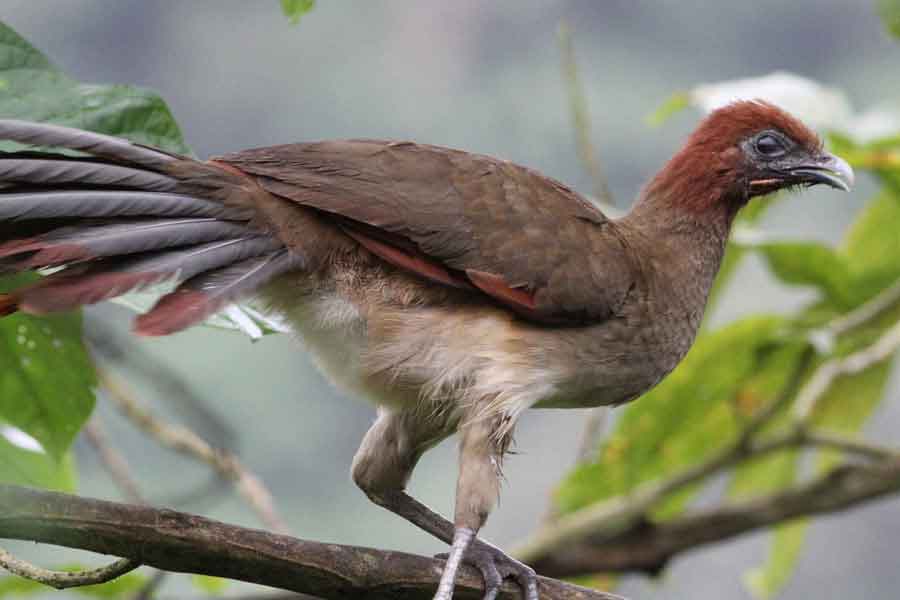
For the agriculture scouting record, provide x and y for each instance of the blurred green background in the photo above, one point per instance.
(483, 76)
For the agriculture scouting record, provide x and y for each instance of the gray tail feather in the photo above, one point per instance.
(120, 219)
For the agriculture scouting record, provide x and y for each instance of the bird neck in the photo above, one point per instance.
(665, 214)
(683, 236)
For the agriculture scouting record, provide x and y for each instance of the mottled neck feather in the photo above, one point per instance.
(686, 211)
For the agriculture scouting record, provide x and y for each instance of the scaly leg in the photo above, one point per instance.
(382, 467)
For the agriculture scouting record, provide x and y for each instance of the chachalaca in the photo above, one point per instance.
(453, 290)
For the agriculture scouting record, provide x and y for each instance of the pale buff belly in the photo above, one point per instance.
(427, 361)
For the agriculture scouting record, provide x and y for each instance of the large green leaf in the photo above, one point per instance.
(295, 9)
(690, 415)
(46, 378)
(872, 246)
(810, 263)
(33, 468)
(866, 262)
(848, 404)
(889, 10)
(768, 579)
(767, 474)
(32, 88)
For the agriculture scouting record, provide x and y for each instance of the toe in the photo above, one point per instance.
(492, 579)
(524, 576)
(495, 566)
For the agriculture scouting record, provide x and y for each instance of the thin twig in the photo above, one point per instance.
(593, 429)
(835, 441)
(113, 461)
(867, 311)
(66, 579)
(581, 121)
(854, 363)
(185, 441)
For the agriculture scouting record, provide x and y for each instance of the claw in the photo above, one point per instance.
(495, 566)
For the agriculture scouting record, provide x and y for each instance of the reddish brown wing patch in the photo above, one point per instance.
(496, 287)
(174, 312)
(9, 304)
(407, 259)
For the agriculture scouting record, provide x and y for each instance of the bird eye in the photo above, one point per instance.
(769, 145)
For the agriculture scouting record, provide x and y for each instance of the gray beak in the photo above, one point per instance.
(828, 169)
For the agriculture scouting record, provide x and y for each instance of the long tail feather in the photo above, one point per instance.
(106, 279)
(96, 144)
(107, 203)
(42, 171)
(117, 237)
(120, 217)
(203, 295)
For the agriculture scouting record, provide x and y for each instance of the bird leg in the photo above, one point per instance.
(382, 467)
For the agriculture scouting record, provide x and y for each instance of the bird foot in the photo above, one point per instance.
(495, 566)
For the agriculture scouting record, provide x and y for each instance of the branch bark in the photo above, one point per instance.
(181, 542)
(649, 547)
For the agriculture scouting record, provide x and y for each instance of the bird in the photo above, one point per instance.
(454, 290)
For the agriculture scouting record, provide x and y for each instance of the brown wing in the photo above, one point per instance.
(460, 219)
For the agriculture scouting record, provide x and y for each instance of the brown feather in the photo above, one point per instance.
(442, 213)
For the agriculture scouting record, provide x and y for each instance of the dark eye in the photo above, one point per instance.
(769, 145)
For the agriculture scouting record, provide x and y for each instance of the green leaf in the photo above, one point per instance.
(687, 417)
(763, 475)
(849, 403)
(889, 11)
(294, 9)
(673, 105)
(19, 466)
(46, 377)
(120, 587)
(810, 263)
(871, 246)
(787, 542)
(32, 88)
(18, 587)
(866, 262)
(880, 157)
(211, 586)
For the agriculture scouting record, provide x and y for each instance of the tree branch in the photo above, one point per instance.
(609, 519)
(112, 460)
(66, 579)
(882, 349)
(649, 547)
(181, 542)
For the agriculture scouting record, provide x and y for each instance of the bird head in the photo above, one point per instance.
(747, 149)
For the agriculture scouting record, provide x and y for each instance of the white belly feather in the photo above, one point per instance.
(454, 358)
